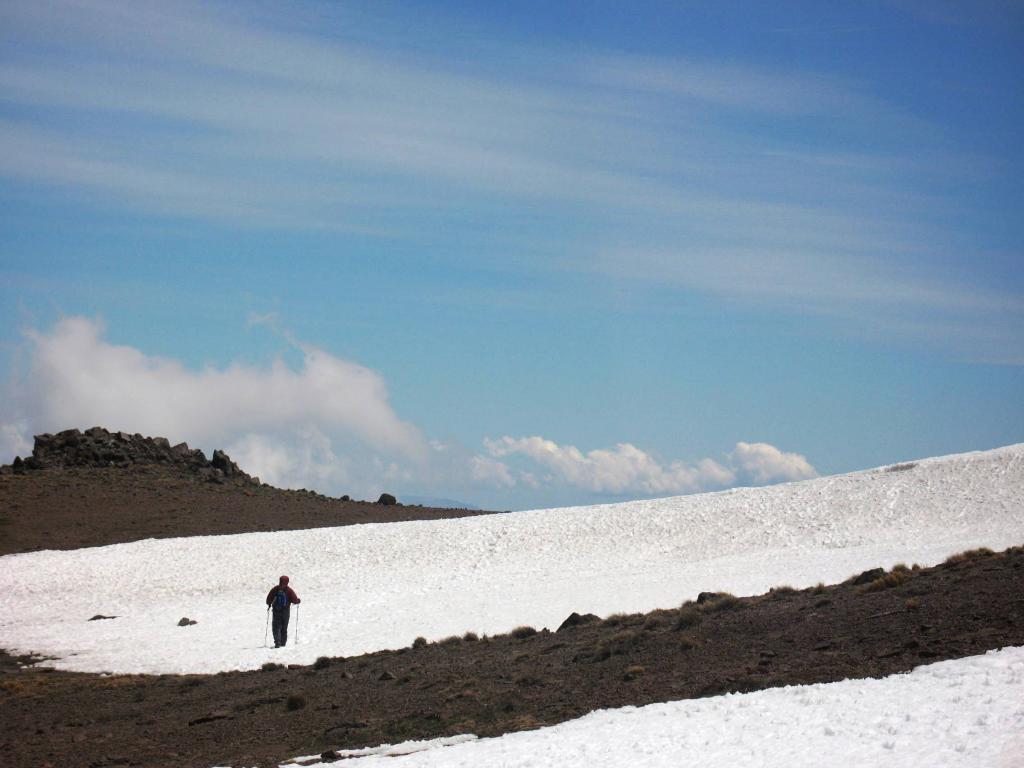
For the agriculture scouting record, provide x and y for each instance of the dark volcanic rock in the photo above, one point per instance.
(387, 499)
(709, 597)
(574, 620)
(868, 576)
(222, 462)
(97, 447)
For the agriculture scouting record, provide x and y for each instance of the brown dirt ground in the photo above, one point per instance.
(495, 685)
(89, 507)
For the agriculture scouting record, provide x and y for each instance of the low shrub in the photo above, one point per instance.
(888, 581)
(653, 622)
(270, 666)
(912, 604)
(616, 619)
(901, 467)
(689, 615)
(620, 643)
(294, 702)
(633, 672)
(687, 643)
(419, 642)
(968, 554)
(819, 588)
(724, 602)
(521, 633)
(322, 662)
(470, 637)
(782, 591)
(451, 640)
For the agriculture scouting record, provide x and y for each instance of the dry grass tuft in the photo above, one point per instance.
(888, 581)
(901, 467)
(633, 672)
(967, 554)
(689, 615)
(725, 602)
(653, 622)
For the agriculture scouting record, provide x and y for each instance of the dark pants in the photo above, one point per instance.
(280, 625)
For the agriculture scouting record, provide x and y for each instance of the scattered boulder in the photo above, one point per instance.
(387, 499)
(574, 620)
(709, 597)
(223, 462)
(868, 576)
(185, 621)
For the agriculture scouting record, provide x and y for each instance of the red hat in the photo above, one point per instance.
(283, 580)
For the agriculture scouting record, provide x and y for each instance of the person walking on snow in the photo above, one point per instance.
(280, 600)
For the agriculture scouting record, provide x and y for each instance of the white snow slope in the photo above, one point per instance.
(966, 713)
(378, 586)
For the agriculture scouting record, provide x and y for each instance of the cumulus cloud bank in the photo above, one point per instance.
(282, 423)
(628, 469)
(327, 423)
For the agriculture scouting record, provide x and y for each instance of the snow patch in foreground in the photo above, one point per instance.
(966, 712)
(370, 587)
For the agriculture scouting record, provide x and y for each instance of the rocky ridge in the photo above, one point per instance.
(99, 447)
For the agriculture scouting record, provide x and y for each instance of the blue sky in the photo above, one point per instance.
(514, 254)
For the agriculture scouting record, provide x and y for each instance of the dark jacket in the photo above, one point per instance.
(292, 597)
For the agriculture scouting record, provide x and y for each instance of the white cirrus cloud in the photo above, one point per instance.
(628, 469)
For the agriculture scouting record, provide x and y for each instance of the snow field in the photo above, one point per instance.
(966, 712)
(370, 587)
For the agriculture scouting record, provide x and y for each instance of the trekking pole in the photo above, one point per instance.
(297, 624)
(267, 628)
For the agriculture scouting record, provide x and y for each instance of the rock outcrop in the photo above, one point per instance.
(98, 447)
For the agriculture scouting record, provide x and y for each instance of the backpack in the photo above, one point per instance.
(281, 598)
